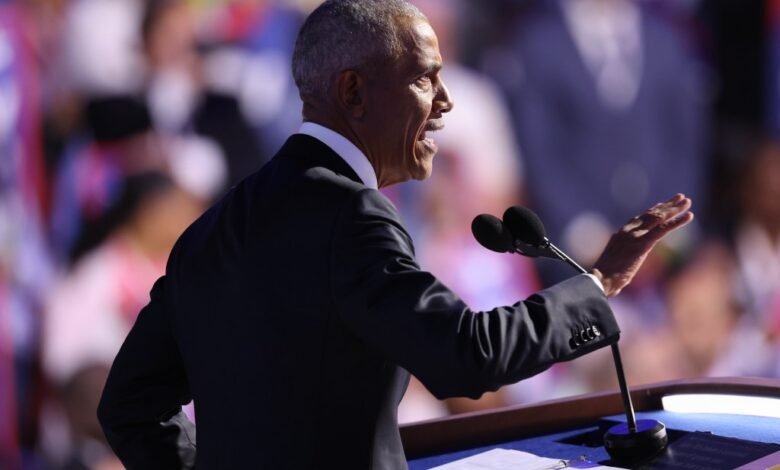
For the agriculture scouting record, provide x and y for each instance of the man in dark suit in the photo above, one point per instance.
(293, 311)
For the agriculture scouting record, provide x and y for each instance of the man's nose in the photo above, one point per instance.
(442, 102)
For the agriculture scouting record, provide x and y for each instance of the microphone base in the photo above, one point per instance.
(628, 448)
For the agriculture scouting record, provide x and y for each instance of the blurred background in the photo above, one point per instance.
(122, 120)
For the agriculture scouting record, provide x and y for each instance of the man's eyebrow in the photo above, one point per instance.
(432, 67)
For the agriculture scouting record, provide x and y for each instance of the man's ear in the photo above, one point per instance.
(351, 93)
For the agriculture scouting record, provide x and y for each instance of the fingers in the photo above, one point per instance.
(667, 210)
(677, 198)
(662, 217)
(674, 214)
(627, 249)
(673, 224)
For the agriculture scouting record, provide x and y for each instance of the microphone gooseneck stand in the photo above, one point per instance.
(621, 376)
(521, 232)
(633, 442)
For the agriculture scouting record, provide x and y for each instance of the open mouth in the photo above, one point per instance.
(430, 127)
(426, 139)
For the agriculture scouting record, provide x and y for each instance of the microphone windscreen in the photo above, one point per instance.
(524, 225)
(491, 233)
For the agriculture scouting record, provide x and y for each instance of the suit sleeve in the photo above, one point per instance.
(407, 315)
(140, 410)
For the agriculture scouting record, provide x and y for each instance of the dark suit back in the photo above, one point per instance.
(273, 370)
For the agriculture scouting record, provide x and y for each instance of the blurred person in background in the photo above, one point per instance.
(756, 235)
(119, 141)
(247, 47)
(191, 87)
(173, 76)
(607, 102)
(94, 304)
(755, 268)
(166, 55)
(723, 307)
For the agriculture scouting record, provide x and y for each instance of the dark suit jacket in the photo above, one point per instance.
(291, 312)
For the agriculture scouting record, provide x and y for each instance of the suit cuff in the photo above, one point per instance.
(596, 280)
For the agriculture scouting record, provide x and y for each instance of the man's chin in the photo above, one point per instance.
(423, 160)
(423, 170)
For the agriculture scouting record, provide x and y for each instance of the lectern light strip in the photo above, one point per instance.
(723, 404)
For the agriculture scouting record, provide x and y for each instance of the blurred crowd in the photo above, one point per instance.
(122, 120)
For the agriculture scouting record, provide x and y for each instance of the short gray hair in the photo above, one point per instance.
(347, 34)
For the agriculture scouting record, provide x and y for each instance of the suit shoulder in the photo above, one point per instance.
(324, 176)
(369, 208)
(370, 201)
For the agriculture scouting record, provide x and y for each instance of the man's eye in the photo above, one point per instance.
(423, 81)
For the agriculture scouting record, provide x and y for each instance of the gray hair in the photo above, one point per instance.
(347, 34)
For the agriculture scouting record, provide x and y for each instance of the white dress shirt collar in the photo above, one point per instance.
(345, 149)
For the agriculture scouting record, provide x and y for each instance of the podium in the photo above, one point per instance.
(744, 409)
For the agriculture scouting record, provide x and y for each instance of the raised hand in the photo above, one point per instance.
(627, 249)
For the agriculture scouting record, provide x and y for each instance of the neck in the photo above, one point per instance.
(318, 114)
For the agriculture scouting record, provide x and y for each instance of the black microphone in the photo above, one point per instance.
(491, 233)
(528, 230)
(629, 442)
(525, 225)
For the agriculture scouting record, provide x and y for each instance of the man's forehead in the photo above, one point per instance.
(421, 33)
(422, 45)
